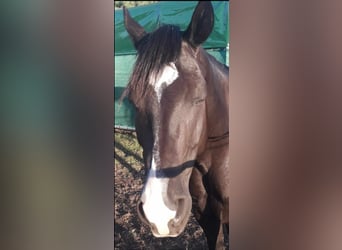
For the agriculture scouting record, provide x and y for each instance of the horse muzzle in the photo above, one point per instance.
(167, 227)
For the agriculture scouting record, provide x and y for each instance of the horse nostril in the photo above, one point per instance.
(141, 213)
(172, 224)
(180, 204)
(180, 209)
(174, 227)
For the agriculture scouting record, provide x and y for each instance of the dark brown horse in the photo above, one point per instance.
(180, 93)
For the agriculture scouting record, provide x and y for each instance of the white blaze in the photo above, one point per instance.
(154, 207)
(167, 76)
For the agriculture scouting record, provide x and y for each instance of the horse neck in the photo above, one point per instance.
(217, 101)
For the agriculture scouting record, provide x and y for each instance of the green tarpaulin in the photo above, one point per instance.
(151, 17)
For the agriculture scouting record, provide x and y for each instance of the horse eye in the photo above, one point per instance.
(197, 100)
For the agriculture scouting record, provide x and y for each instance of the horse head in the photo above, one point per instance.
(169, 89)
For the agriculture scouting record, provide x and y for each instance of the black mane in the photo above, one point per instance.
(155, 50)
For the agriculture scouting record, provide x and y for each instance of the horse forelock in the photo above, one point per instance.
(155, 51)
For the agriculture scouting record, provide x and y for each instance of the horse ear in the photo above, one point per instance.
(201, 25)
(133, 28)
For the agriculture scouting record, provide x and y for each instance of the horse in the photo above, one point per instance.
(180, 95)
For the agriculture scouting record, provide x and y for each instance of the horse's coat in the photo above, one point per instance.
(181, 97)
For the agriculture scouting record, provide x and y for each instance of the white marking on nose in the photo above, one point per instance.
(154, 207)
(166, 77)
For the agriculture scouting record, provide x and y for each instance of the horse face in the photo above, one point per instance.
(178, 129)
(170, 118)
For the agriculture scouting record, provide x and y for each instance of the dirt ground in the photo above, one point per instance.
(129, 232)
